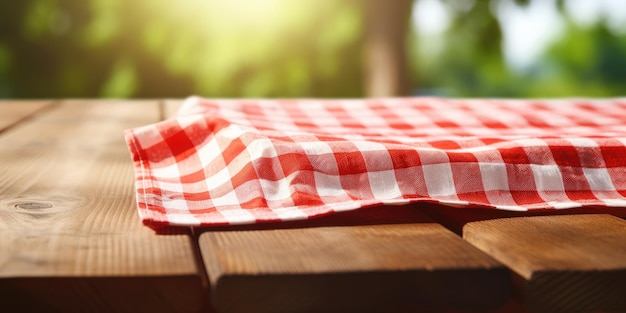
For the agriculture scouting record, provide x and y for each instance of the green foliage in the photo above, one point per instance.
(122, 82)
(470, 61)
(277, 48)
(116, 48)
(586, 62)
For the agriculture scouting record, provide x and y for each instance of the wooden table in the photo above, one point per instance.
(71, 241)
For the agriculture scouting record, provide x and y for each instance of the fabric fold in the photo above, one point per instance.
(241, 161)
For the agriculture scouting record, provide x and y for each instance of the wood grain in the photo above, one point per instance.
(13, 112)
(454, 219)
(70, 237)
(170, 107)
(569, 263)
(358, 268)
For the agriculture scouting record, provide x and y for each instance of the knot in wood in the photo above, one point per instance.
(33, 205)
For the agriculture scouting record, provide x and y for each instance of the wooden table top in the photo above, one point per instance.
(71, 240)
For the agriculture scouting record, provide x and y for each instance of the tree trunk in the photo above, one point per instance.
(386, 67)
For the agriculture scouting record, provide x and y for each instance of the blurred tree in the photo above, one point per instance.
(470, 61)
(115, 48)
(282, 48)
(386, 65)
(64, 49)
(584, 61)
(587, 62)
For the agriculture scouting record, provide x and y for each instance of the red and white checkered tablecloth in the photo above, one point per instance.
(220, 162)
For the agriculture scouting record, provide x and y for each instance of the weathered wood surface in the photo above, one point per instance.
(405, 263)
(13, 112)
(567, 263)
(455, 219)
(71, 240)
(70, 237)
(170, 107)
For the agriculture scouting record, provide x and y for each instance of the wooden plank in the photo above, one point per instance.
(12, 112)
(389, 267)
(70, 237)
(568, 263)
(454, 218)
(170, 107)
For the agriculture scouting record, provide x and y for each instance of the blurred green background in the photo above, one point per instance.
(324, 48)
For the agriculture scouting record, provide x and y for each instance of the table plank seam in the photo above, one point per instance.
(46, 108)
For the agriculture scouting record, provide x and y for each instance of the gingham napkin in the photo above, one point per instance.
(220, 162)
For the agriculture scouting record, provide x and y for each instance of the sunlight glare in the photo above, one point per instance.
(430, 17)
(528, 30)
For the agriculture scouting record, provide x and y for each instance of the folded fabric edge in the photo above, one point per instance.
(156, 218)
(156, 221)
